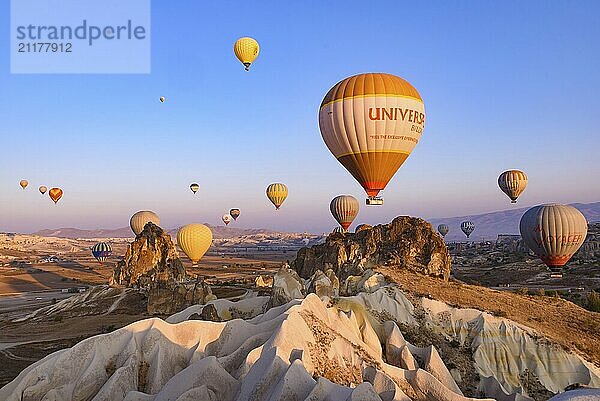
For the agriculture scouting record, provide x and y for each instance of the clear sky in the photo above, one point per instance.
(508, 84)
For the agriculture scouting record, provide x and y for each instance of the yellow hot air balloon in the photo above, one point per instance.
(246, 50)
(194, 240)
(43, 189)
(277, 193)
(512, 183)
(371, 123)
(23, 184)
(344, 209)
(139, 220)
(55, 194)
(162, 99)
(194, 187)
(553, 232)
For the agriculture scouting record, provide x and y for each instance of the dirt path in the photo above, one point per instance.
(563, 322)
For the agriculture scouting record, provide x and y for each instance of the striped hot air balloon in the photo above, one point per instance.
(371, 123)
(467, 227)
(553, 232)
(277, 193)
(139, 220)
(443, 229)
(512, 183)
(235, 213)
(344, 209)
(339, 230)
(246, 50)
(101, 251)
(194, 240)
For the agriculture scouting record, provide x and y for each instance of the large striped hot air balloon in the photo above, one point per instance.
(101, 251)
(277, 193)
(512, 183)
(371, 123)
(55, 194)
(194, 240)
(235, 213)
(246, 50)
(467, 227)
(443, 229)
(553, 232)
(344, 209)
(139, 220)
(339, 230)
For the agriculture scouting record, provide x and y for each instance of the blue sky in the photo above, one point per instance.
(505, 85)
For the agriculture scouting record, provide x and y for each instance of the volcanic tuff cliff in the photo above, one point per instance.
(406, 243)
(150, 258)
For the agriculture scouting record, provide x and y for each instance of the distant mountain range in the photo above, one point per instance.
(487, 225)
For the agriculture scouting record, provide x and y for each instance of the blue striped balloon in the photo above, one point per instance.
(101, 251)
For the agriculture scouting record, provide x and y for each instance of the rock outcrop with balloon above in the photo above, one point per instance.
(406, 243)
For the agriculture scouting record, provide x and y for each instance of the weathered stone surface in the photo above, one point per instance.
(287, 285)
(169, 298)
(264, 281)
(322, 285)
(406, 243)
(149, 259)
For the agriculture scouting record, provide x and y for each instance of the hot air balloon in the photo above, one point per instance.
(512, 183)
(344, 209)
(101, 251)
(162, 99)
(467, 227)
(55, 194)
(246, 50)
(43, 189)
(194, 240)
(139, 219)
(23, 183)
(362, 227)
(553, 232)
(194, 187)
(339, 230)
(226, 219)
(371, 123)
(277, 193)
(443, 229)
(235, 213)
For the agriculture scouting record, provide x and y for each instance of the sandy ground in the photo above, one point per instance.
(563, 322)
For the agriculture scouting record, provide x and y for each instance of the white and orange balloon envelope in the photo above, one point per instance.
(277, 193)
(23, 183)
(371, 123)
(553, 232)
(512, 183)
(141, 218)
(226, 219)
(43, 189)
(246, 50)
(55, 194)
(344, 209)
(194, 240)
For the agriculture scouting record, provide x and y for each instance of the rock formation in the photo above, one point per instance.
(150, 258)
(406, 243)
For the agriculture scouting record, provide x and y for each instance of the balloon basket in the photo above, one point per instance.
(374, 201)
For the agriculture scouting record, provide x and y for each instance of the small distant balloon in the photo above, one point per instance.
(344, 209)
(194, 187)
(246, 50)
(101, 251)
(23, 184)
(194, 240)
(43, 189)
(467, 227)
(277, 193)
(512, 183)
(226, 219)
(55, 194)
(443, 229)
(162, 99)
(235, 213)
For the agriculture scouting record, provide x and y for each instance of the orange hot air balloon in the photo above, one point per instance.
(43, 189)
(55, 194)
(371, 123)
(512, 183)
(23, 184)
